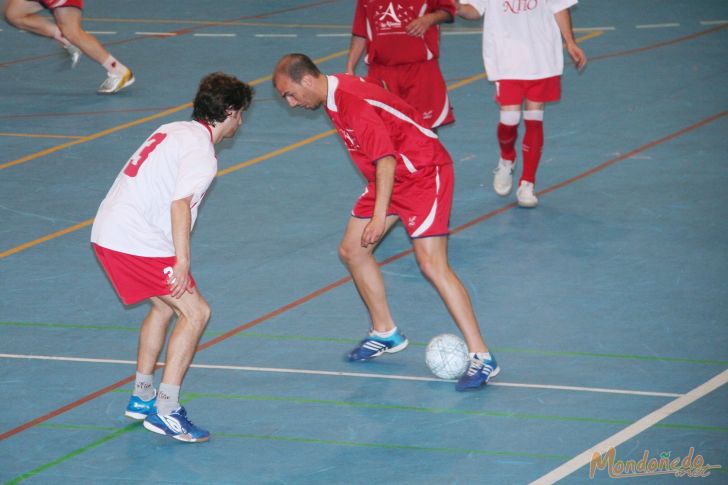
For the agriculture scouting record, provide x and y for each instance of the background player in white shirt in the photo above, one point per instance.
(141, 236)
(523, 56)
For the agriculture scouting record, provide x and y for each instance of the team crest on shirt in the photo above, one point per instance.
(393, 16)
(347, 134)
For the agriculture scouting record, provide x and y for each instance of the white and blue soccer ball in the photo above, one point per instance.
(447, 356)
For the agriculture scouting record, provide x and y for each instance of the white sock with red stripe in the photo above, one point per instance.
(114, 67)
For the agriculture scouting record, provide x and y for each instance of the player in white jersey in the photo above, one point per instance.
(524, 57)
(141, 236)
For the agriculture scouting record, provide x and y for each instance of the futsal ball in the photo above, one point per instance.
(447, 356)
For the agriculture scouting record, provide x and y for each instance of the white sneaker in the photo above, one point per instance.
(503, 177)
(525, 195)
(74, 53)
(114, 83)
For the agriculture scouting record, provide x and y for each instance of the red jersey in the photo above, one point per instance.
(383, 24)
(374, 123)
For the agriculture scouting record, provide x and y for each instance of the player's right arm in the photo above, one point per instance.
(466, 11)
(374, 231)
(356, 49)
(181, 226)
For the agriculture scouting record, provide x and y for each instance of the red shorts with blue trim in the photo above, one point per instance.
(510, 92)
(136, 278)
(422, 201)
(420, 84)
(53, 4)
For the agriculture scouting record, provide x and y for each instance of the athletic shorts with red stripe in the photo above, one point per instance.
(420, 84)
(136, 278)
(422, 202)
(510, 92)
(52, 4)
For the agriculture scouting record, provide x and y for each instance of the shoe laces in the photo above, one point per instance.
(475, 366)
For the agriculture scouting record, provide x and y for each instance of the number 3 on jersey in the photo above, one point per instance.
(132, 168)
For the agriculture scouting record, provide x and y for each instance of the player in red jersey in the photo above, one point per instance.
(68, 32)
(141, 237)
(409, 178)
(402, 43)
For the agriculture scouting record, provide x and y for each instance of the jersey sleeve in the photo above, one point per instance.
(359, 26)
(479, 5)
(557, 6)
(372, 134)
(196, 170)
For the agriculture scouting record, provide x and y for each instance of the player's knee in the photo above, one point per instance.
(71, 31)
(432, 266)
(12, 16)
(348, 254)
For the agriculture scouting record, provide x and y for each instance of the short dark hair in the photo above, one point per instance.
(218, 94)
(295, 66)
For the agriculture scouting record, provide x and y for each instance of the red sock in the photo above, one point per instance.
(532, 147)
(507, 135)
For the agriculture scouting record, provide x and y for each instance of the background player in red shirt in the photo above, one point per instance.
(402, 43)
(409, 178)
(68, 32)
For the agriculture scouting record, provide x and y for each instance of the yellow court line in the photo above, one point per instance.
(114, 129)
(247, 163)
(215, 23)
(37, 135)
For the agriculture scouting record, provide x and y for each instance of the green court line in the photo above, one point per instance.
(189, 396)
(393, 446)
(514, 350)
(497, 414)
(68, 456)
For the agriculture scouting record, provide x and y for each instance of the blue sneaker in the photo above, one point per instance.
(374, 346)
(138, 408)
(176, 425)
(478, 374)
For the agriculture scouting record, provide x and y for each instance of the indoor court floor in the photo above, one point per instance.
(606, 306)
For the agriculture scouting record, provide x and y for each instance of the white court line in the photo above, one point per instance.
(589, 29)
(633, 429)
(214, 35)
(713, 22)
(333, 35)
(166, 34)
(276, 35)
(101, 32)
(656, 26)
(345, 374)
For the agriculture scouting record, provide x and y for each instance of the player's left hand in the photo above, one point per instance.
(419, 26)
(577, 55)
(373, 232)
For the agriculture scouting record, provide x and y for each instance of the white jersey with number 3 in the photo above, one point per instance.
(176, 162)
(521, 39)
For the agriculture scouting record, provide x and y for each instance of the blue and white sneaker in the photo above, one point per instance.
(138, 408)
(374, 346)
(478, 374)
(176, 425)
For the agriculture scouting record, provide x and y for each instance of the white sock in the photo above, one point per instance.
(481, 355)
(384, 334)
(144, 386)
(113, 66)
(167, 398)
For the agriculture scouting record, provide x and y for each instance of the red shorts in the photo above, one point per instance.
(421, 85)
(422, 202)
(136, 278)
(51, 4)
(510, 92)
